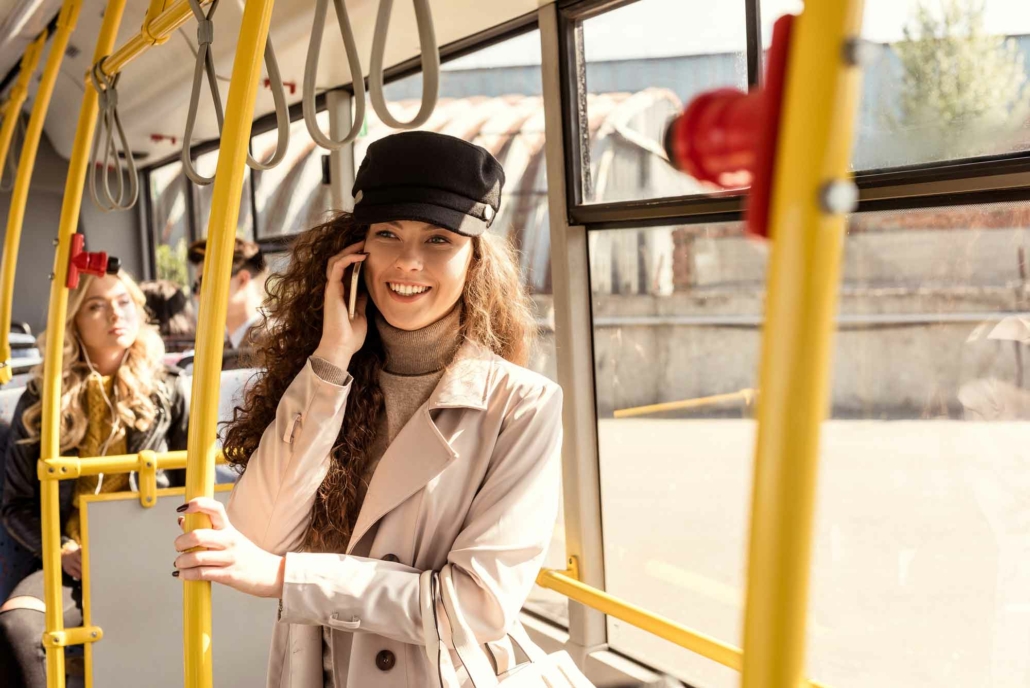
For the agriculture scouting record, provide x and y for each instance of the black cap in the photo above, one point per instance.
(429, 177)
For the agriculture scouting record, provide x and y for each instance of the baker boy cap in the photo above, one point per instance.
(429, 177)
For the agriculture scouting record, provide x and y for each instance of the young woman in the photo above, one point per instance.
(116, 398)
(408, 439)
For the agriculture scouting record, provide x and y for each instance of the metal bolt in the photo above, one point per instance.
(50, 277)
(150, 499)
(50, 470)
(93, 634)
(860, 53)
(56, 241)
(838, 196)
(149, 464)
(64, 469)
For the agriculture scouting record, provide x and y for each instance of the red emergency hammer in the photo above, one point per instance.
(724, 132)
(81, 261)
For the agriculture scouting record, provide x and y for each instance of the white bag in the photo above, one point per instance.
(556, 670)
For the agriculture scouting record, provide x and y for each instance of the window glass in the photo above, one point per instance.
(170, 222)
(949, 81)
(922, 529)
(291, 197)
(205, 165)
(492, 98)
(643, 62)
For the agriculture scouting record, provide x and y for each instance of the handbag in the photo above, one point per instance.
(556, 670)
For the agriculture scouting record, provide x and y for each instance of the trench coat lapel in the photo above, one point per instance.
(420, 451)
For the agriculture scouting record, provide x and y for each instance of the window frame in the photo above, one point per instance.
(962, 181)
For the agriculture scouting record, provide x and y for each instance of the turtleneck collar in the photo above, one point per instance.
(424, 351)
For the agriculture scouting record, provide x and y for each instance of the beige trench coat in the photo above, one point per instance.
(471, 482)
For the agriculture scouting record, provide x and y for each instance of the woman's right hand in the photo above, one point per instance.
(341, 336)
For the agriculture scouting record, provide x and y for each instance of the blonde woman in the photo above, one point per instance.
(407, 440)
(117, 397)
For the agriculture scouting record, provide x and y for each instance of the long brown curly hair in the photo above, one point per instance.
(497, 314)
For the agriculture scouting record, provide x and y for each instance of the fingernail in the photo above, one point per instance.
(182, 508)
(175, 574)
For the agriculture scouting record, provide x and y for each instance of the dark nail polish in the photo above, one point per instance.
(182, 508)
(175, 574)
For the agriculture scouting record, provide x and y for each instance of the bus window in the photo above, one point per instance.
(950, 82)
(206, 164)
(170, 222)
(677, 313)
(291, 197)
(492, 97)
(923, 516)
(643, 62)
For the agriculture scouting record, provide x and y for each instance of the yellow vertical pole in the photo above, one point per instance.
(51, 421)
(225, 205)
(807, 226)
(12, 112)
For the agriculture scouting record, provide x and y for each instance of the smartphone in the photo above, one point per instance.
(355, 278)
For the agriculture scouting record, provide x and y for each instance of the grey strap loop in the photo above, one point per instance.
(282, 112)
(104, 137)
(430, 65)
(205, 66)
(311, 71)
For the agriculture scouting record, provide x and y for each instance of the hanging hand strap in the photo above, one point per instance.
(311, 72)
(430, 65)
(107, 125)
(205, 67)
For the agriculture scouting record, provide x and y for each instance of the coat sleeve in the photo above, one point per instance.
(20, 506)
(271, 502)
(494, 560)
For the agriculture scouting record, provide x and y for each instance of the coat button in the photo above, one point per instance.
(385, 660)
(391, 558)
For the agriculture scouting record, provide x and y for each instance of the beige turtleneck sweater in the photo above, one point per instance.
(415, 362)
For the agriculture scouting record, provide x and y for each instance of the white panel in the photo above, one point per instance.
(138, 604)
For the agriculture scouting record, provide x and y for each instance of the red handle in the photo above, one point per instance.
(84, 262)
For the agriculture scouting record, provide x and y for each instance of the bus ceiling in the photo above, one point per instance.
(154, 90)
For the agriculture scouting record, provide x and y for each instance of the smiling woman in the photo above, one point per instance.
(406, 439)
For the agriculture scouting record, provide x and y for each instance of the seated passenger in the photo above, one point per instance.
(172, 312)
(406, 443)
(244, 321)
(116, 398)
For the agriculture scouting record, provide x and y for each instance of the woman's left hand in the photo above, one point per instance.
(229, 558)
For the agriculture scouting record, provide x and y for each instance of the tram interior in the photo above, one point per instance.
(922, 529)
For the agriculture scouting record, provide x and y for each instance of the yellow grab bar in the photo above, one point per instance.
(214, 299)
(745, 395)
(566, 583)
(12, 111)
(807, 226)
(50, 440)
(156, 30)
(71, 467)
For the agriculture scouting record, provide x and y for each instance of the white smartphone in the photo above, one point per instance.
(354, 277)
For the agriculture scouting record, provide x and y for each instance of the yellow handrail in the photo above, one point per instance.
(566, 583)
(214, 299)
(50, 439)
(71, 467)
(155, 31)
(12, 111)
(745, 395)
(807, 230)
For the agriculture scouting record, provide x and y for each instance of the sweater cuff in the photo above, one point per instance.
(327, 372)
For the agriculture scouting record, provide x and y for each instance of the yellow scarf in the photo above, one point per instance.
(98, 430)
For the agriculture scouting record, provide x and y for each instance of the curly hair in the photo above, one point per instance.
(136, 381)
(497, 314)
